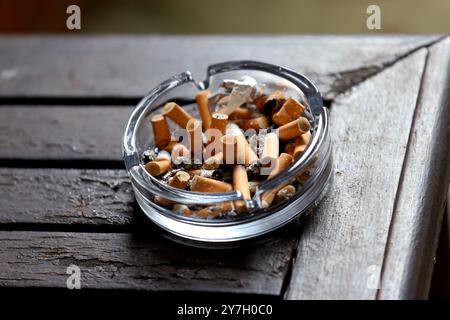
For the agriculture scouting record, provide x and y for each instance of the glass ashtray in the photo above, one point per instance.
(311, 171)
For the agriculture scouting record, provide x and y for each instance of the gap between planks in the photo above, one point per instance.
(367, 78)
(402, 172)
(346, 291)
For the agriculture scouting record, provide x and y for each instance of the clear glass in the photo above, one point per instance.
(182, 88)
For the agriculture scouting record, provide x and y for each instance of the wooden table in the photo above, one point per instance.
(65, 198)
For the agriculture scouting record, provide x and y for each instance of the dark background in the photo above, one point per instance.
(225, 16)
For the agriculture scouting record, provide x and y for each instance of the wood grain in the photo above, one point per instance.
(420, 202)
(131, 66)
(341, 250)
(137, 261)
(380, 216)
(66, 197)
(62, 132)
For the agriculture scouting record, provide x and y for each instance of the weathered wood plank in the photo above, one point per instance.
(131, 66)
(341, 250)
(136, 261)
(66, 197)
(420, 204)
(87, 133)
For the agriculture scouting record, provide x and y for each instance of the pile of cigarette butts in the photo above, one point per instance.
(243, 137)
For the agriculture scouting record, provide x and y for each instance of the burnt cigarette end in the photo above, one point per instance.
(303, 124)
(180, 180)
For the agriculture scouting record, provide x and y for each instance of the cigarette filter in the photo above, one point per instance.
(161, 131)
(243, 113)
(202, 184)
(236, 150)
(219, 122)
(271, 149)
(182, 209)
(180, 180)
(203, 108)
(177, 114)
(256, 123)
(195, 136)
(289, 111)
(301, 143)
(293, 129)
(157, 167)
(240, 182)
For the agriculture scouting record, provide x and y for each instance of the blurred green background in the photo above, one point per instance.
(225, 16)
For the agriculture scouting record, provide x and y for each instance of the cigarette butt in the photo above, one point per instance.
(252, 185)
(180, 180)
(219, 122)
(195, 135)
(293, 129)
(257, 123)
(162, 201)
(271, 103)
(282, 163)
(213, 162)
(182, 209)
(227, 206)
(177, 114)
(157, 167)
(305, 174)
(240, 182)
(203, 108)
(285, 193)
(289, 111)
(303, 177)
(195, 172)
(245, 153)
(271, 149)
(211, 174)
(229, 148)
(301, 143)
(180, 150)
(215, 210)
(204, 213)
(173, 141)
(236, 150)
(161, 131)
(242, 113)
(202, 184)
(289, 148)
(260, 102)
(267, 198)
